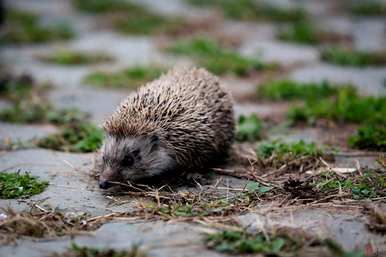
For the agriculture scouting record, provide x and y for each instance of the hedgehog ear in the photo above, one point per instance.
(154, 142)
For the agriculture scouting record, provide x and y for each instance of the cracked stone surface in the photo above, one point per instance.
(72, 186)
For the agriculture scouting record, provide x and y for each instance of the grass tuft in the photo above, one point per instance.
(249, 128)
(26, 112)
(368, 8)
(69, 57)
(217, 59)
(346, 57)
(369, 137)
(16, 185)
(278, 90)
(297, 149)
(371, 184)
(24, 27)
(346, 106)
(76, 137)
(252, 10)
(85, 251)
(129, 78)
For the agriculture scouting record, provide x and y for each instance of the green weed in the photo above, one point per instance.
(302, 32)
(370, 137)
(16, 185)
(371, 184)
(278, 90)
(24, 27)
(297, 149)
(84, 251)
(129, 78)
(75, 137)
(346, 57)
(68, 57)
(253, 10)
(217, 59)
(368, 8)
(249, 128)
(346, 106)
(241, 242)
(26, 112)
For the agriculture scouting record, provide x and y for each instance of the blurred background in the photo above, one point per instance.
(63, 61)
(308, 79)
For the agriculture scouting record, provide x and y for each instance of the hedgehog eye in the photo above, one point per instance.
(135, 152)
(128, 161)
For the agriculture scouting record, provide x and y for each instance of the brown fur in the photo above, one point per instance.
(187, 109)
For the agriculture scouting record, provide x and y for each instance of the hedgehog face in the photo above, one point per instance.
(128, 159)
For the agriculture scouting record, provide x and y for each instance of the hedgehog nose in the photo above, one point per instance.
(104, 184)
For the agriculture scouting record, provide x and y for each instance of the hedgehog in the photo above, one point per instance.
(182, 121)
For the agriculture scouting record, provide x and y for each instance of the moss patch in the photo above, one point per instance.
(75, 137)
(368, 8)
(130, 78)
(217, 59)
(24, 27)
(370, 184)
(84, 251)
(346, 57)
(16, 185)
(69, 57)
(253, 10)
(249, 128)
(370, 137)
(278, 90)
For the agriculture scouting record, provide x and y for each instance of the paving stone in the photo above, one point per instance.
(158, 239)
(369, 81)
(22, 132)
(72, 187)
(343, 225)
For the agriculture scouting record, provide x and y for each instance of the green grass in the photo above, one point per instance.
(217, 59)
(278, 90)
(252, 10)
(26, 112)
(24, 27)
(106, 6)
(346, 57)
(279, 149)
(235, 242)
(371, 184)
(129, 78)
(300, 32)
(146, 23)
(131, 18)
(85, 251)
(282, 242)
(69, 57)
(16, 185)
(249, 128)
(346, 106)
(76, 137)
(368, 8)
(369, 137)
